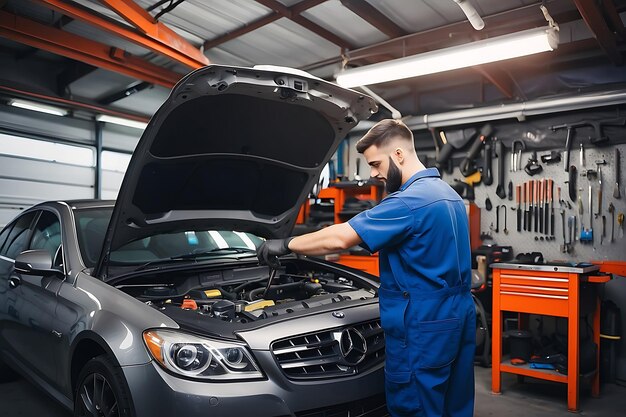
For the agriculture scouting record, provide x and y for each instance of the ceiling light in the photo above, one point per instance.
(121, 121)
(42, 108)
(500, 48)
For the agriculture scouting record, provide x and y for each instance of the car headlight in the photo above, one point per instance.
(197, 357)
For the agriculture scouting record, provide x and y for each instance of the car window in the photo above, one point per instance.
(47, 233)
(17, 240)
(91, 227)
(4, 234)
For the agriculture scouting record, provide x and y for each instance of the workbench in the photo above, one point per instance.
(551, 290)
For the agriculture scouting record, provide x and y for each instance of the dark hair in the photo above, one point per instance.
(382, 133)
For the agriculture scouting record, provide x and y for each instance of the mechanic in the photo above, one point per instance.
(422, 235)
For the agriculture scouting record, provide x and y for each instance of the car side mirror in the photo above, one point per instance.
(36, 262)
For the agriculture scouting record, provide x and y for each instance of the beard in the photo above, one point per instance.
(394, 178)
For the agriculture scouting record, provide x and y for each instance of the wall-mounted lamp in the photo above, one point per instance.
(42, 108)
(121, 121)
(514, 45)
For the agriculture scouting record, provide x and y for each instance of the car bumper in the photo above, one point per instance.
(157, 393)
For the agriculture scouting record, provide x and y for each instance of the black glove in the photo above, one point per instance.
(271, 249)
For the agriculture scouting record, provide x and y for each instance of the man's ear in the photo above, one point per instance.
(399, 153)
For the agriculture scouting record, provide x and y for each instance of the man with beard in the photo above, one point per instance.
(422, 235)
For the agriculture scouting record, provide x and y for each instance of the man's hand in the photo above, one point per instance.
(271, 249)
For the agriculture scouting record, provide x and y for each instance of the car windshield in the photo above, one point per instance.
(91, 226)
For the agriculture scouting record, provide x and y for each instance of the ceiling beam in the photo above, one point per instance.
(499, 78)
(159, 38)
(296, 9)
(595, 21)
(374, 17)
(72, 46)
(614, 18)
(306, 23)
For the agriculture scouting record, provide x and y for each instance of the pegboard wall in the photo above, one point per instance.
(600, 248)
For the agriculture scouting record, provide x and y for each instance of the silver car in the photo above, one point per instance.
(156, 305)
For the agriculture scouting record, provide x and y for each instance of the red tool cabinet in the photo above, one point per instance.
(552, 291)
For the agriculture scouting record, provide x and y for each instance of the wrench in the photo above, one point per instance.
(506, 231)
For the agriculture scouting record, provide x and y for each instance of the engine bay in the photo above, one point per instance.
(248, 294)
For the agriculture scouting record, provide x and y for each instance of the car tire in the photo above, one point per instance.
(7, 374)
(102, 390)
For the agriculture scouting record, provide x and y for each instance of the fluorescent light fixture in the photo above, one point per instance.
(42, 108)
(121, 121)
(500, 48)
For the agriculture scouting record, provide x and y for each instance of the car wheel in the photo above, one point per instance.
(101, 391)
(7, 374)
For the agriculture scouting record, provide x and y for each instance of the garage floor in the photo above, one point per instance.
(533, 398)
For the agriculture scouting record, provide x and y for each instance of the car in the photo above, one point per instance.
(155, 304)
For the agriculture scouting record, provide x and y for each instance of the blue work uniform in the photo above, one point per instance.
(422, 235)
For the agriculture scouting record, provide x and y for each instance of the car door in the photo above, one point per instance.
(35, 339)
(14, 239)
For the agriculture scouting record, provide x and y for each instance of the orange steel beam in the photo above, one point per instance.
(158, 38)
(75, 47)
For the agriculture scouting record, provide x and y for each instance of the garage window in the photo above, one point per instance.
(115, 161)
(46, 151)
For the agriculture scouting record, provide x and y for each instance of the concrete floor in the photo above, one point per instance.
(533, 398)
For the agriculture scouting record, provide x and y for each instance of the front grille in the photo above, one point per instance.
(331, 353)
(368, 407)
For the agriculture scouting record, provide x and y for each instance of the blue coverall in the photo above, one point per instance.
(422, 235)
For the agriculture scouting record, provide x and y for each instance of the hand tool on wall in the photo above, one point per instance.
(518, 199)
(586, 235)
(454, 139)
(516, 155)
(500, 192)
(541, 203)
(620, 222)
(529, 208)
(616, 193)
(564, 245)
(497, 230)
(603, 235)
(571, 230)
(599, 169)
(510, 190)
(571, 183)
(488, 158)
(536, 202)
(468, 167)
(597, 125)
(582, 155)
(552, 158)
(464, 189)
(505, 230)
(551, 198)
(612, 211)
(568, 139)
(525, 198)
(532, 166)
(488, 205)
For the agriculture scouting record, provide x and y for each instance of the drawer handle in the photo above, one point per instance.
(526, 294)
(530, 287)
(534, 278)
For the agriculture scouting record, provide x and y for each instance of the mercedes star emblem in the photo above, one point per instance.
(352, 346)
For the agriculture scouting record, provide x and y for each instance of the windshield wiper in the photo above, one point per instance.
(216, 251)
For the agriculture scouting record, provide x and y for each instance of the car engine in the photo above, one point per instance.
(245, 295)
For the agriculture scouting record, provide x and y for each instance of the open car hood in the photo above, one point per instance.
(233, 148)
